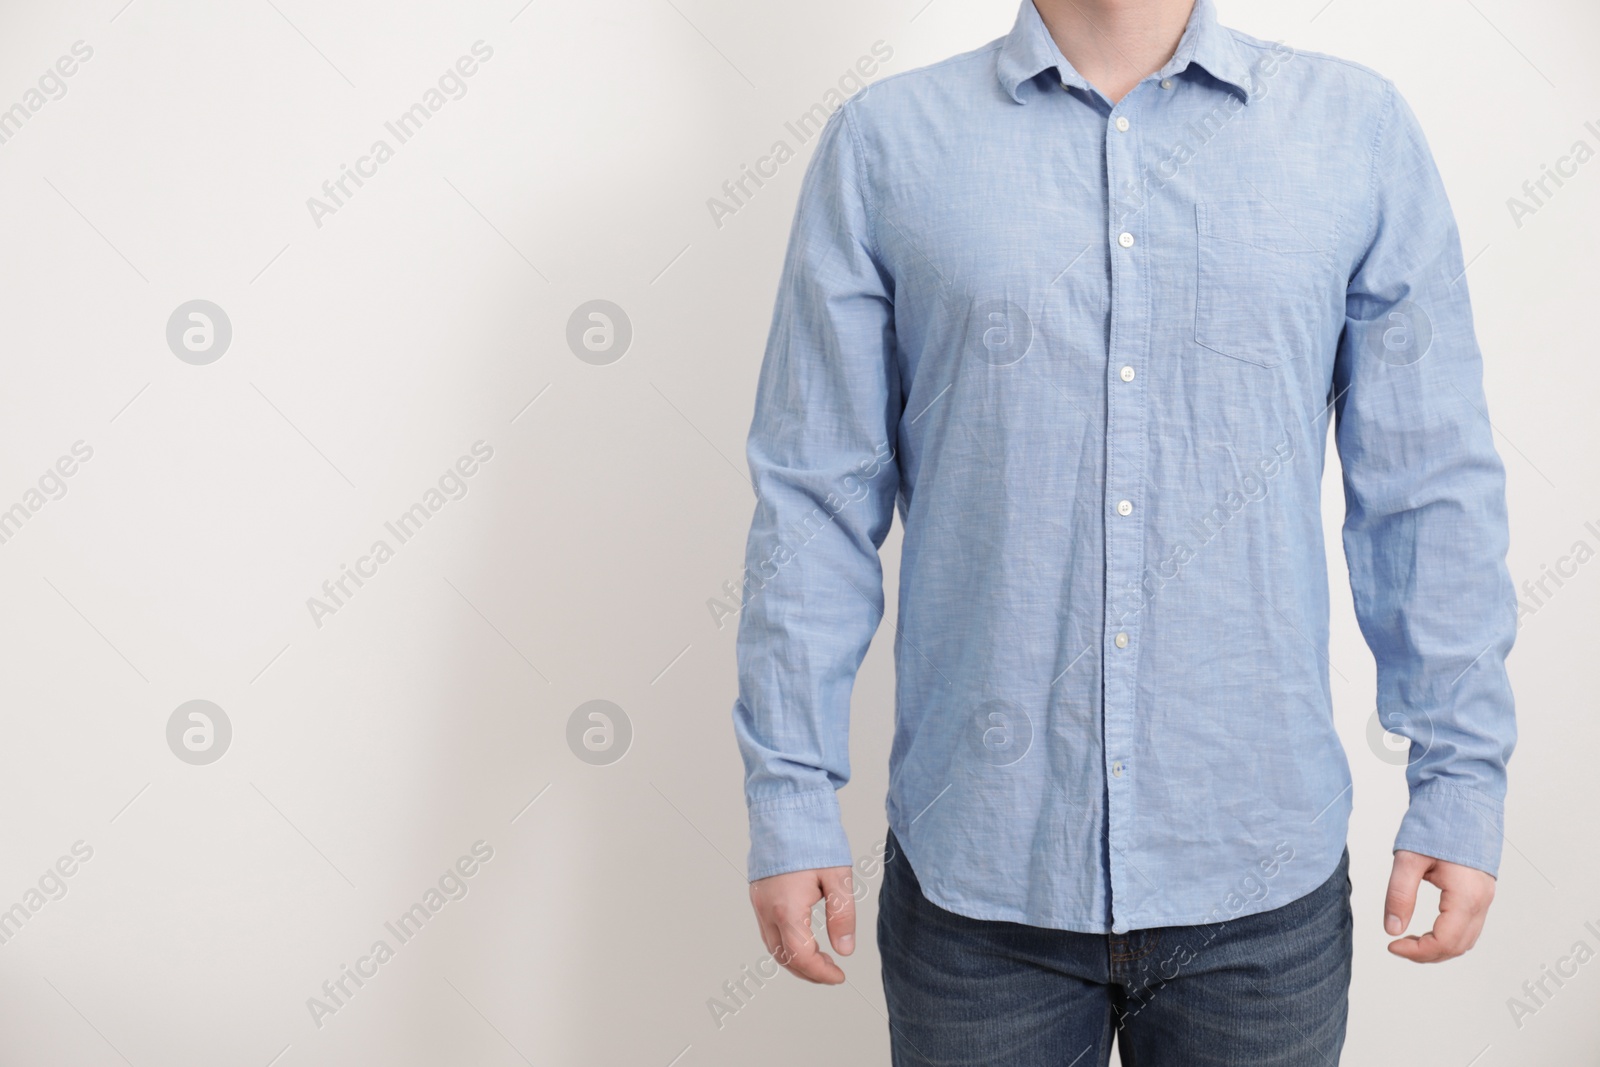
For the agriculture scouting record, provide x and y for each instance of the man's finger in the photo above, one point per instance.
(840, 901)
(1401, 900)
(1429, 948)
(1424, 949)
(1460, 931)
(804, 957)
(770, 937)
(1454, 931)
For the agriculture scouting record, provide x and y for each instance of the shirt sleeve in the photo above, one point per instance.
(822, 463)
(1425, 529)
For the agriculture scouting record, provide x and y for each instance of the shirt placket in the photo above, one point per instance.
(1124, 502)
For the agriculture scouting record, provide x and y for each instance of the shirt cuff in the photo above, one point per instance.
(1455, 825)
(799, 832)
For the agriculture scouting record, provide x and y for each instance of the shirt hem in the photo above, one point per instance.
(1070, 924)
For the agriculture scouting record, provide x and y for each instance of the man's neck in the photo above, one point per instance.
(1115, 44)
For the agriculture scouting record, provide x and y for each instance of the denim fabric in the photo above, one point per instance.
(1091, 355)
(1269, 989)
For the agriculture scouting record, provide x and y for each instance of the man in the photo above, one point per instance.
(1081, 306)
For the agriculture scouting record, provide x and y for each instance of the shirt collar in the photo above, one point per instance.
(1029, 49)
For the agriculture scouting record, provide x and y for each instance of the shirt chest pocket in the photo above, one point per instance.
(1266, 279)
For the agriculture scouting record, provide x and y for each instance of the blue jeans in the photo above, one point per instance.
(1264, 990)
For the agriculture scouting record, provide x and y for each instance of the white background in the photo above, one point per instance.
(369, 352)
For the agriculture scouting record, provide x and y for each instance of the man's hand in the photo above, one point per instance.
(783, 906)
(1464, 897)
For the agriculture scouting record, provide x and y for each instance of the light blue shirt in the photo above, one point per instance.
(1091, 354)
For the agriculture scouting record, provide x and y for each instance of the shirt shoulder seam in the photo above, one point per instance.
(859, 150)
(1378, 135)
(1259, 45)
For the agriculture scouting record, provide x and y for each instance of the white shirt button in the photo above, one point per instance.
(1116, 769)
(1121, 640)
(1122, 123)
(1124, 507)
(1127, 374)
(1125, 240)
(1166, 83)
